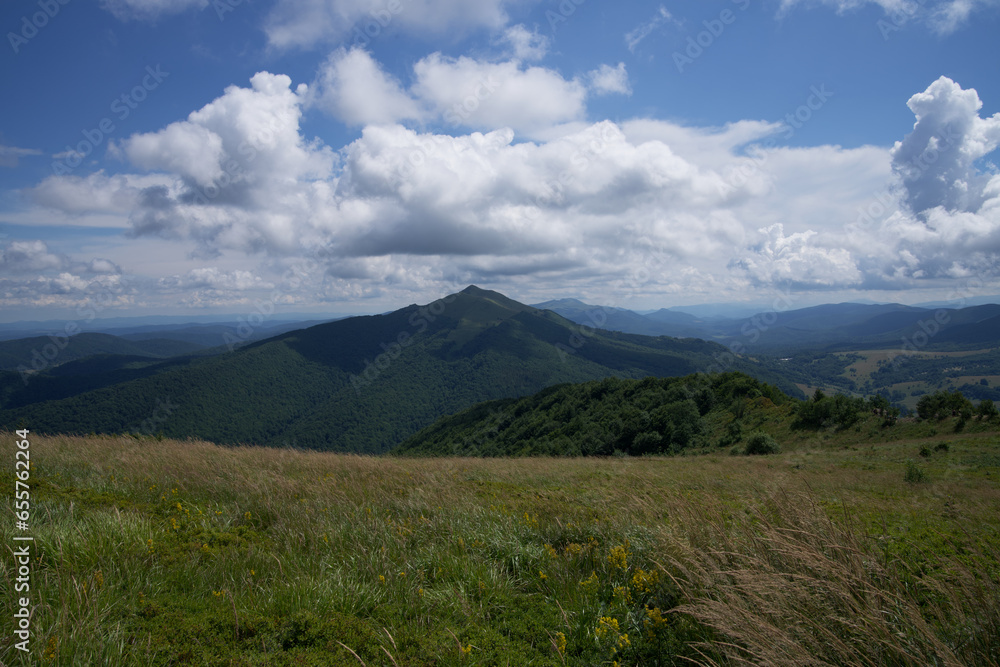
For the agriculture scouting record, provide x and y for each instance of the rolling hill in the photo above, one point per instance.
(597, 418)
(362, 384)
(40, 352)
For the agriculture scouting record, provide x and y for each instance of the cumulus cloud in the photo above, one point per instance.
(596, 205)
(29, 257)
(937, 161)
(94, 193)
(525, 44)
(607, 79)
(354, 88)
(102, 266)
(306, 23)
(239, 170)
(484, 95)
(797, 260)
(459, 92)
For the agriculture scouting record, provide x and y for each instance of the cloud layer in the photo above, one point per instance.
(644, 205)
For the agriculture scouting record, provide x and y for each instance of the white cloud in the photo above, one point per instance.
(94, 193)
(607, 79)
(936, 161)
(29, 257)
(525, 44)
(483, 95)
(943, 16)
(353, 88)
(184, 148)
(798, 260)
(459, 92)
(695, 210)
(645, 29)
(10, 156)
(307, 23)
(103, 266)
(252, 166)
(215, 279)
(146, 10)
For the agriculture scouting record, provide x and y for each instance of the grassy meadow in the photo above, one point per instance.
(835, 551)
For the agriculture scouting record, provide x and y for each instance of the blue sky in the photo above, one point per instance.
(198, 157)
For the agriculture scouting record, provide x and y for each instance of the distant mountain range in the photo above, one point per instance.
(843, 326)
(361, 384)
(365, 384)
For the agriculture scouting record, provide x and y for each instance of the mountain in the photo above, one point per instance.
(671, 316)
(827, 327)
(659, 323)
(983, 332)
(362, 384)
(606, 317)
(40, 352)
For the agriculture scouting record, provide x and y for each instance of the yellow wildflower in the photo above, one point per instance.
(618, 558)
(592, 582)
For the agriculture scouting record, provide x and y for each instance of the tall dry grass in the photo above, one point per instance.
(784, 584)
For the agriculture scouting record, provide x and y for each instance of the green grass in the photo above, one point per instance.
(168, 553)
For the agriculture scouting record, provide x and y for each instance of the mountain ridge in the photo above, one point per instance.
(365, 383)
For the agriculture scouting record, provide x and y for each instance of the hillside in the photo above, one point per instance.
(42, 352)
(362, 384)
(635, 417)
(162, 553)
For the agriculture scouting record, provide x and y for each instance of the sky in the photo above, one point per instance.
(355, 156)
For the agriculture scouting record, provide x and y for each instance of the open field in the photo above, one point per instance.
(165, 552)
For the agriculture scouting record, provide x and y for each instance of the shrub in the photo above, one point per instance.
(943, 404)
(914, 473)
(987, 410)
(761, 443)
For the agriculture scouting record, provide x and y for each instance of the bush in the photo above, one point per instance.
(942, 404)
(761, 443)
(987, 410)
(914, 473)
